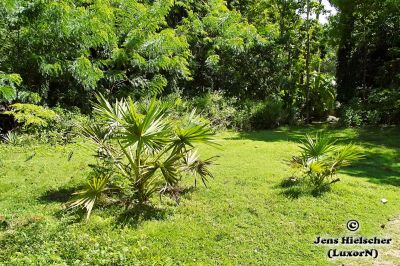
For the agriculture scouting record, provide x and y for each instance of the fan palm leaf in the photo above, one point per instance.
(318, 146)
(198, 167)
(88, 196)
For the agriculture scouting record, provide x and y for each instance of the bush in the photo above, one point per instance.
(10, 138)
(65, 127)
(352, 117)
(321, 159)
(386, 105)
(32, 117)
(373, 117)
(8, 84)
(40, 124)
(228, 113)
(264, 115)
(142, 150)
(381, 107)
(219, 109)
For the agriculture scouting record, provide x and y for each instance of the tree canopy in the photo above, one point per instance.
(62, 52)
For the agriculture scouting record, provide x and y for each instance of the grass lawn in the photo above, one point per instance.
(244, 217)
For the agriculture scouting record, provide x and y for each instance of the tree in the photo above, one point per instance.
(65, 50)
(368, 39)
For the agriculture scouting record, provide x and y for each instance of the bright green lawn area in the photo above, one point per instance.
(243, 218)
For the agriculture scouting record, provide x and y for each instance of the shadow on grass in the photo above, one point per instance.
(384, 136)
(133, 216)
(378, 167)
(62, 194)
(140, 213)
(176, 193)
(381, 164)
(293, 192)
(294, 188)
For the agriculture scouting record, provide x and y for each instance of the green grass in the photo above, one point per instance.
(243, 218)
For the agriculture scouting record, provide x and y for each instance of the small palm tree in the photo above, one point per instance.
(11, 138)
(146, 147)
(321, 158)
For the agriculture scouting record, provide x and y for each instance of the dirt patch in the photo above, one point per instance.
(391, 254)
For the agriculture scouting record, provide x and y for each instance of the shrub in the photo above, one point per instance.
(352, 117)
(57, 126)
(373, 117)
(219, 109)
(65, 127)
(266, 114)
(322, 95)
(32, 117)
(386, 105)
(11, 138)
(321, 159)
(381, 107)
(228, 113)
(8, 84)
(143, 146)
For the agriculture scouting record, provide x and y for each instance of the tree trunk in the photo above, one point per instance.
(308, 65)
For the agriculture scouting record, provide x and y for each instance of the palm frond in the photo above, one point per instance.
(108, 113)
(198, 167)
(10, 138)
(149, 152)
(132, 166)
(95, 132)
(87, 197)
(346, 155)
(321, 158)
(318, 167)
(192, 134)
(170, 168)
(318, 146)
(149, 131)
(99, 135)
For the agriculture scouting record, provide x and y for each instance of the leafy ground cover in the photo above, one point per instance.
(244, 217)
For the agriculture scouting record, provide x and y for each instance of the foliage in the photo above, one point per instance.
(321, 159)
(10, 138)
(87, 197)
(248, 50)
(35, 124)
(352, 117)
(382, 106)
(368, 47)
(8, 84)
(226, 51)
(225, 112)
(93, 45)
(323, 95)
(218, 108)
(145, 147)
(65, 127)
(31, 117)
(265, 114)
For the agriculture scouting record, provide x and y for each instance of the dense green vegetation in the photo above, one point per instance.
(62, 52)
(244, 216)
